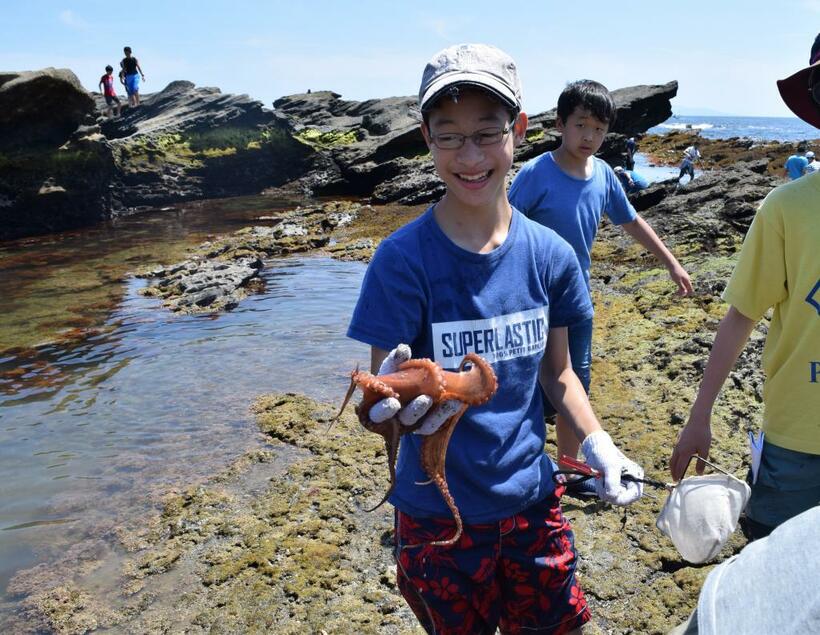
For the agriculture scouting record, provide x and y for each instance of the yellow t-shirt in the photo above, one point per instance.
(779, 266)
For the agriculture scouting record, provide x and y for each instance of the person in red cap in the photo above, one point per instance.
(778, 269)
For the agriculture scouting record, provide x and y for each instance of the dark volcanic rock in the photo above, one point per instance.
(226, 269)
(41, 108)
(715, 206)
(187, 143)
(642, 107)
(55, 167)
(375, 145)
(360, 138)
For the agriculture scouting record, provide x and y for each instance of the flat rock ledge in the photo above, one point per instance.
(223, 271)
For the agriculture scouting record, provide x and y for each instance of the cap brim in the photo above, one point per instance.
(486, 82)
(795, 92)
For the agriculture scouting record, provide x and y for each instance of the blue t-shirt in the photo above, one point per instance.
(795, 165)
(570, 206)
(423, 289)
(639, 182)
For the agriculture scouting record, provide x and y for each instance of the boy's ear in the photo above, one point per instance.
(559, 124)
(425, 132)
(520, 128)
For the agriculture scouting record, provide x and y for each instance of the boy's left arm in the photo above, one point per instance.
(640, 230)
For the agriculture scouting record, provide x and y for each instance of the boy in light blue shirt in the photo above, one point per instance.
(568, 190)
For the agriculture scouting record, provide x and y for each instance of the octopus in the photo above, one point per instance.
(471, 386)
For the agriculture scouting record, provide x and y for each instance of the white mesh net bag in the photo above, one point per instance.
(701, 512)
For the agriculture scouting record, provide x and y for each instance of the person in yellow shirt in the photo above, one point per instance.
(778, 267)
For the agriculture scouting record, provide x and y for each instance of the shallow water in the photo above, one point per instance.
(93, 429)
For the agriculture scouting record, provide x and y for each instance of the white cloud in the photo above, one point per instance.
(73, 21)
(812, 5)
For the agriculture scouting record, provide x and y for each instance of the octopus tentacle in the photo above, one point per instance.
(472, 387)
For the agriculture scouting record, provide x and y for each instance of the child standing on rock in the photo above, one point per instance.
(569, 190)
(473, 274)
(130, 68)
(110, 95)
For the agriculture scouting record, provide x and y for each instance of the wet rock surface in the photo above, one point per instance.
(223, 271)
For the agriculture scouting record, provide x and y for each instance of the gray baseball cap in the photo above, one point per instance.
(478, 65)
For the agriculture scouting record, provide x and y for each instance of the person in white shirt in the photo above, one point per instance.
(813, 165)
(687, 166)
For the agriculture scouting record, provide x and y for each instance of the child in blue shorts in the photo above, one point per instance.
(568, 190)
(472, 274)
(130, 73)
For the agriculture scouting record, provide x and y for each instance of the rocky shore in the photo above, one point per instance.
(280, 540)
(68, 167)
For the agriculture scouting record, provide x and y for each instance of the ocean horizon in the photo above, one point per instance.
(756, 128)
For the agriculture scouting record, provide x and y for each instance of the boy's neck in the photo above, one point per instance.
(579, 167)
(479, 230)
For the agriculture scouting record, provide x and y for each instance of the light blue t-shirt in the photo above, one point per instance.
(570, 206)
(424, 290)
(795, 165)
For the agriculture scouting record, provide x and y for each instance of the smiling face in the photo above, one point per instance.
(474, 174)
(582, 133)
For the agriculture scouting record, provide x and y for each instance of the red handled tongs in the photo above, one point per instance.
(584, 472)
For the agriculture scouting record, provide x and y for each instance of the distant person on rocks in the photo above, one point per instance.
(687, 166)
(796, 164)
(777, 268)
(569, 190)
(631, 147)
(107, 88)
(813, 165)
(631, 180)
(131, 73)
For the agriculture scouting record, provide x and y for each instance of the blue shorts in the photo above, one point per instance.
(517, 574)
(132, 84)
(788, 483)
(580, 353)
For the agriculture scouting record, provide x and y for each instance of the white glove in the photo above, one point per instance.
(602, 455)
(416, 409)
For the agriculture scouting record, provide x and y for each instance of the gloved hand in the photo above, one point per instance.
(416, 409)
(601, 454)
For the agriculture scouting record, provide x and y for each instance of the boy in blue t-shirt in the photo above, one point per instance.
(568, 190)
(472, 274)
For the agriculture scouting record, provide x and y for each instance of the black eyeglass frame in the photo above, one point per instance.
(475, 137)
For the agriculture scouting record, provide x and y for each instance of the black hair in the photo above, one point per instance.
(126, 49)
(425, 114)
(589, 95)
(109, 68)
(802, 146)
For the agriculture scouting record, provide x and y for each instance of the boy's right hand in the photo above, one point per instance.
(418, 407)
(695, 438)
(601, 454)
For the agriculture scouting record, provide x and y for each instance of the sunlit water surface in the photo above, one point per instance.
(93, 429)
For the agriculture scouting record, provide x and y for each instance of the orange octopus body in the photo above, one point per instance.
(416, 377)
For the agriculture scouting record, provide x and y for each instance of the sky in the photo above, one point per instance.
(725, 54)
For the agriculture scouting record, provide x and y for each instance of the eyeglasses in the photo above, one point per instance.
(484, 137)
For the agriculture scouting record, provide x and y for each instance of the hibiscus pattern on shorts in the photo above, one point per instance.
(516, 575)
